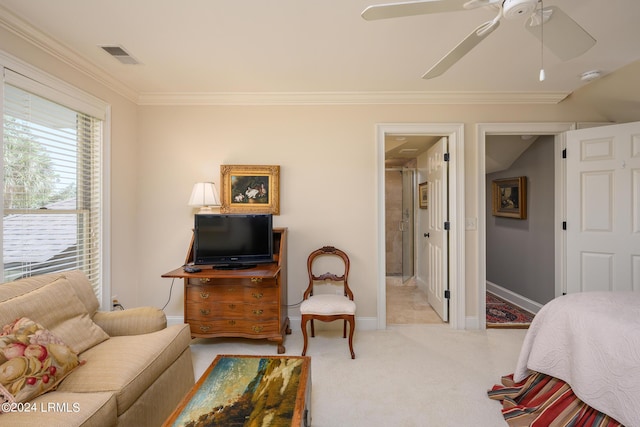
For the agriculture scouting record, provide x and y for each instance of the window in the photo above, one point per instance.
(51, 185)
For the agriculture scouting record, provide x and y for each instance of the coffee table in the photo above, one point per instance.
(239, 390)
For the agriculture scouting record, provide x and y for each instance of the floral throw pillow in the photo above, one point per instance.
(32, 361)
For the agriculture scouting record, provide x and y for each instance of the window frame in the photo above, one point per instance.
(18, 73)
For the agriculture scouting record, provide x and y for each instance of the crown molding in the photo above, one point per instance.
(350, 98)
(61, 52)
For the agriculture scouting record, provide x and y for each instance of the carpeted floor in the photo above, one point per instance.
(503, 314)
(402, 376)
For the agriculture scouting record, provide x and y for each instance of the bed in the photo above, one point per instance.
(588, 343)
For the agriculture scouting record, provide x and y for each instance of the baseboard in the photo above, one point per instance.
(514, 298)
(471, 323)
(362, 323)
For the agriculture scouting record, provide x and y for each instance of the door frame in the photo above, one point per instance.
(558, 130)
(455, 133)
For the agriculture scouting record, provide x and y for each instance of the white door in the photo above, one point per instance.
(436, 235)
(603, 208)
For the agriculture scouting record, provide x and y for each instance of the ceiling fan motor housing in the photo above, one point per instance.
(516, 8)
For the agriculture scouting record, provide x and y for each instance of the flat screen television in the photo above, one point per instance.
(233, 240)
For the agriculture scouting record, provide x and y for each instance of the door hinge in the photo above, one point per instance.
(446, 157)
(564, 153)
(447, 294)
(447, 225)
(564, 225)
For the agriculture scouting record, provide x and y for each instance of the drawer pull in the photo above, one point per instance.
(205, 311)
(256, 279)
(258, 312)
(232, 306)
(257, 295)
(257, 329)
(204, 328)
(204, 295)
(205, 280)
(232, 322)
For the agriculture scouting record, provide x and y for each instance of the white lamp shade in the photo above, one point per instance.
(204, 194)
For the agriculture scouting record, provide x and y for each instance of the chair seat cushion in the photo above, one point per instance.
(327, 305)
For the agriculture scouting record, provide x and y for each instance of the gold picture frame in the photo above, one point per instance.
(510, 197)
(423, 195)
(250, 189)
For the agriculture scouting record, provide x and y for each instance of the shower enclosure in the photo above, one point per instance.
(400, 193)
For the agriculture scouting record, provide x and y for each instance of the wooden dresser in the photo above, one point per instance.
(250, 303)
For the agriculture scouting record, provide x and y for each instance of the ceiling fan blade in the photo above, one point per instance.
(422, 7)
(464, 47)
(560, 34)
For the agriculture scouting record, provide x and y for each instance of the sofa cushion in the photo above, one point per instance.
(56, 307)
(32, 360)
(128, 365)
(78, 280)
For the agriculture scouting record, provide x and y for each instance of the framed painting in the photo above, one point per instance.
(250, 189)
(423, 195)
(510, 197)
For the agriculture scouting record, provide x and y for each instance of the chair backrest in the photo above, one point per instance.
(328, 277)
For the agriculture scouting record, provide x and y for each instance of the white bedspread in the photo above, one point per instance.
(590, 340)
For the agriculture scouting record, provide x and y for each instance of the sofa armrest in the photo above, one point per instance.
(132, 321)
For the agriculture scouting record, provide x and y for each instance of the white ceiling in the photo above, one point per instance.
(313, 46)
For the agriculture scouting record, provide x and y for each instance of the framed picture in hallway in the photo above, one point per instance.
(423, 195)
(510, 197)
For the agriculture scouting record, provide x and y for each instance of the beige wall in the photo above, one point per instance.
(328, 179)
(328, 165)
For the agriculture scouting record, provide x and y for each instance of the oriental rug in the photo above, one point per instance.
(503, 314)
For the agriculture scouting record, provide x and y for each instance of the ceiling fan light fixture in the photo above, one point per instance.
(516, 8)
(590, 75)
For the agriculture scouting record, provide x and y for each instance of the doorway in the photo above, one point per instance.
(455, 271)
(486, 130)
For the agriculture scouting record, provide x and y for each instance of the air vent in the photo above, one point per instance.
(120, 54)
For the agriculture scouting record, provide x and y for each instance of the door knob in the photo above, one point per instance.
(426, 235)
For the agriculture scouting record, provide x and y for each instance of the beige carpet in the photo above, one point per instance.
(404, 376)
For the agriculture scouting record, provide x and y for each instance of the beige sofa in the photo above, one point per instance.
(134, 369)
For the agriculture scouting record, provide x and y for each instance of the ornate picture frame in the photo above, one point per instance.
(250, 189)
(423, 195)
(510, 197)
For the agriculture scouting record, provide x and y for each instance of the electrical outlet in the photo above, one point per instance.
(114, 299)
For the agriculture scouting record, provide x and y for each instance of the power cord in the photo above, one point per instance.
(170, 291)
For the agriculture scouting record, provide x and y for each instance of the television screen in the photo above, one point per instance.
(233, 240)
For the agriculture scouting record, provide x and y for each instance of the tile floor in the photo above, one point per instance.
(407, 304)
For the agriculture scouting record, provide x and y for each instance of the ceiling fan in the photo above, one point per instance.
(553, 27)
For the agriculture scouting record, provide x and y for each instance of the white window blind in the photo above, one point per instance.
(51, 218)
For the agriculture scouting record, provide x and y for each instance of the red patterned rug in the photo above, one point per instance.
(503, 314)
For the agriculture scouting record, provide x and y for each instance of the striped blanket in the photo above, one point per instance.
(544, 401)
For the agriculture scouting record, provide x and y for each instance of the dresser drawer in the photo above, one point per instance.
(248, 281)
(232, 310)
(231, 293)
(231, 327)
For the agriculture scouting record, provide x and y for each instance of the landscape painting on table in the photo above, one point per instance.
(244, 391)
